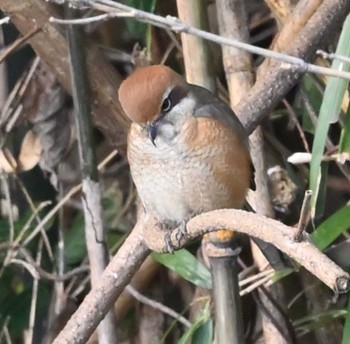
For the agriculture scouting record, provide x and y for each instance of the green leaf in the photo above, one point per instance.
(204, 333)
(74, 242)
(279, 274)
(139, 30)
(314, 95)
(344, 145)
(330, 229)
(329, 112)
(315, 321)
(187, 266)
(15, 302)
(203, 319)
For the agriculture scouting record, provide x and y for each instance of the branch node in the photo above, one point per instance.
(342, 284)
(215, 251)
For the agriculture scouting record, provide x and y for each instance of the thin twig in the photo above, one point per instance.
(17, 44)
(268, 272)
(255, 285)
(333, 56)
(5, 331)
(304, 158)
(59, 285)
(113, 281)
(17, 93)
(157, 305)
(294, 117)
(89, 20)
(33, 304)
(36, 210)
(95, 234)
(174, 24)
(63, 201)
(6, 188)
(36, 270)
(304, 216)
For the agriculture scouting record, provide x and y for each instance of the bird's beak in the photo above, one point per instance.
(152, 129)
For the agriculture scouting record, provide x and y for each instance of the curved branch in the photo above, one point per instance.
(148, 232)
(261, 227)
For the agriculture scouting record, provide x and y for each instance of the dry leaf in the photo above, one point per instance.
(30, 152)
(46, 106)
(7, 161)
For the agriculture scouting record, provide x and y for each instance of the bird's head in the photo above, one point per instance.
(151, 95)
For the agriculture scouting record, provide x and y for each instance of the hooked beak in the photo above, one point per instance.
(152, 129)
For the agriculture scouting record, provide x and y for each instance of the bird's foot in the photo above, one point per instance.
(182, 231)
(169, 227)
(169, 247)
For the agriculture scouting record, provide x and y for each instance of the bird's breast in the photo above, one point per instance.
(187, 175)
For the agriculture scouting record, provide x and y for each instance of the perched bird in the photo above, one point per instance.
(187, 150)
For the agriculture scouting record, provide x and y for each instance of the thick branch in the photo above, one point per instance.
(268, 230)
(130, 256)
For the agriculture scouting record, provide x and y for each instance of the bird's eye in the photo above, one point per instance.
(166, 106)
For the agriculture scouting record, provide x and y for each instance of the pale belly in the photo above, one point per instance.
(173, 186)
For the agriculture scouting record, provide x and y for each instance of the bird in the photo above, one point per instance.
(187, 150)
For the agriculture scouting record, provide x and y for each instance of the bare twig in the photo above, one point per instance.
(37, 270)
(11, 105)
(89, 20)
(5, 331)
(297, 19)
(157, 305)
(255, 285)
(173, 23)
(295, 120)
(130, 256)
(95, 234)
(333, 56)
(262, 274)
(33, 305)
(259, 102)
(113, 281)
(63, 201)
(17, 44)
(304, 216)
(304, 158)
